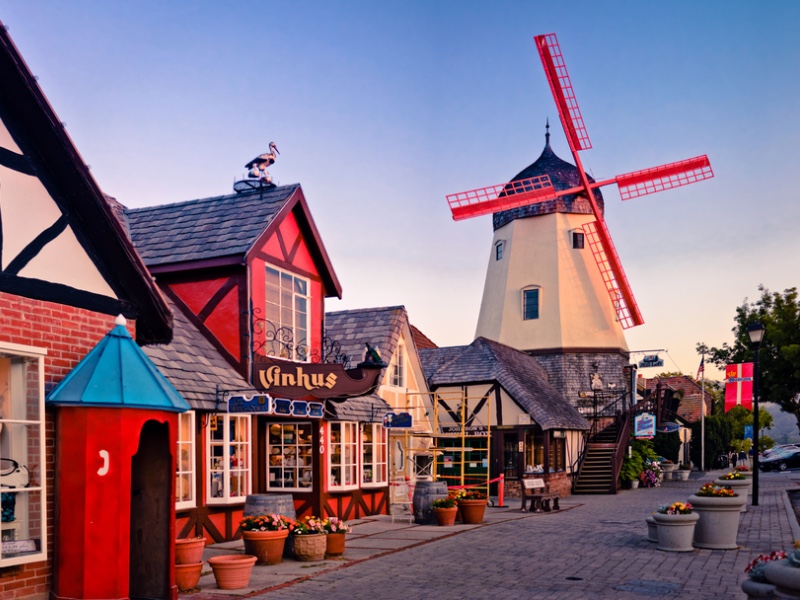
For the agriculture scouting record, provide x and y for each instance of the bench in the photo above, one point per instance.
(538, 492)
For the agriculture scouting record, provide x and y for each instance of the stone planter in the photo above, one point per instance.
(785, 577)
(445, 517)
(719, 521)
(668, 467)
(682, 474)
(472, 511)
(675, 532)
(740, 486)
(652, 529)
(758, 589)
(334, 544)
(310, 547)
(266, 546)
(232, 571)
(189, 550)
(634, 484)
(187, 576)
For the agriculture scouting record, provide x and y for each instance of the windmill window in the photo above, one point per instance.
(498, 251)
(578, 240)
(530, 304)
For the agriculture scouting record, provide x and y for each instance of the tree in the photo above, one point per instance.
(779, 354)
(718, 440)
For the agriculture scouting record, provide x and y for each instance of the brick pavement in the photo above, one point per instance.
(595, 547)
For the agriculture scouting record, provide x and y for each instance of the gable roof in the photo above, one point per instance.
(351, 329)
(195, 367)
(49, 154)
(518, 373)
(222, 230)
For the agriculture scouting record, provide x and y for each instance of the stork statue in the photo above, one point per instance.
(258, 166)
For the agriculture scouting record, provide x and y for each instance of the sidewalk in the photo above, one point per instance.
(595, 545)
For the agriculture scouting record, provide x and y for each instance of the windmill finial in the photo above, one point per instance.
(547, 132)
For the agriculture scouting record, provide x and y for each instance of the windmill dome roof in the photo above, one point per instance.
(563, 175)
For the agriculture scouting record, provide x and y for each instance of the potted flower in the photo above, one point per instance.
(785, 574)
(335, 530)
(718, 507)
(676, 523)
(309, 539)
(683, 471)
(756, 585)
(652, 475)
(738, 482)
(668, 466)
(744, 470)
(265, 535)
(472, 505)
(631, 467)
(444, 510)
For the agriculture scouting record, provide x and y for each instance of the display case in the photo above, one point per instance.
(290, 456)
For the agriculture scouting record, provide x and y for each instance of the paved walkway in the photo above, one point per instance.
(594, 547)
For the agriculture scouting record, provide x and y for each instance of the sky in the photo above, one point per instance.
(381, 109)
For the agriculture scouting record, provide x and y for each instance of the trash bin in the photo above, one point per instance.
(722, 461)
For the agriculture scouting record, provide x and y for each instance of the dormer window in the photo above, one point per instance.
(287, 306)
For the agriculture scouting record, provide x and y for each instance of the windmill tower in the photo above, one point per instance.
(544, 294)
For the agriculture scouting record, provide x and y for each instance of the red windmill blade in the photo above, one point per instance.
(505, 196)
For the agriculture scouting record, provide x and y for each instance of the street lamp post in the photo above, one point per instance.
(756, 333)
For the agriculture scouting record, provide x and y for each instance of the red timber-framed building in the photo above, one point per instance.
(67, 270)
(247, 275)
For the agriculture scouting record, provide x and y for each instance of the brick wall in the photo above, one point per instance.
(68, 334)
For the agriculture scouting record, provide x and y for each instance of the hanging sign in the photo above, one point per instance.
(651, 360)
(320, 380)
(644, 425)
(265, 405)
(739, 386)
(401, 420)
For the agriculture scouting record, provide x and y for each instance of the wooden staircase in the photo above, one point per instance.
(597, 474)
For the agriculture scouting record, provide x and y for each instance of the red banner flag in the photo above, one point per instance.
(739, 386)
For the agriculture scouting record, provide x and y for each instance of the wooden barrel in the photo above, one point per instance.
(267, 504)
(424, 493)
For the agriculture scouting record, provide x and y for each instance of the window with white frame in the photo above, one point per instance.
(530, 303)
(290, 454)
(22, 440)
(373, 455)
(228, 452)
(185, 468)
(343, 456)
(397, 376)
(287, 306)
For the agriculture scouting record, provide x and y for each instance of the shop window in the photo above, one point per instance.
(557, 455)
(287, 306)
(185, 470)
(290, 454)
(343, 456)
(534, 452)
(24, 538)
(373, 455)
(398, 367)
(530, 304)
(229, 473)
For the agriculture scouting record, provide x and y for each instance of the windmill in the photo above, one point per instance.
(519, 193)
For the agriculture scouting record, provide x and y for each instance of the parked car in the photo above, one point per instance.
(780, 461)
(782, 449)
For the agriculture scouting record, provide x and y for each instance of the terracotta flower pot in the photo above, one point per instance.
(334, 544)
(445, 516)
(232, 571)
(266, 546)
(310, 547)
(472, 511)
(189, 551)
(187, 576)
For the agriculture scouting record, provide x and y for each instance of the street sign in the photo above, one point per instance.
(401, 420)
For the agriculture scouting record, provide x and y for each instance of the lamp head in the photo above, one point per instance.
(756, 333)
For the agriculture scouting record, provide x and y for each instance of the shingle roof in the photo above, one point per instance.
(206, 228)
(381, 327)
(518, 373)
(194, 366)
(365, 409)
